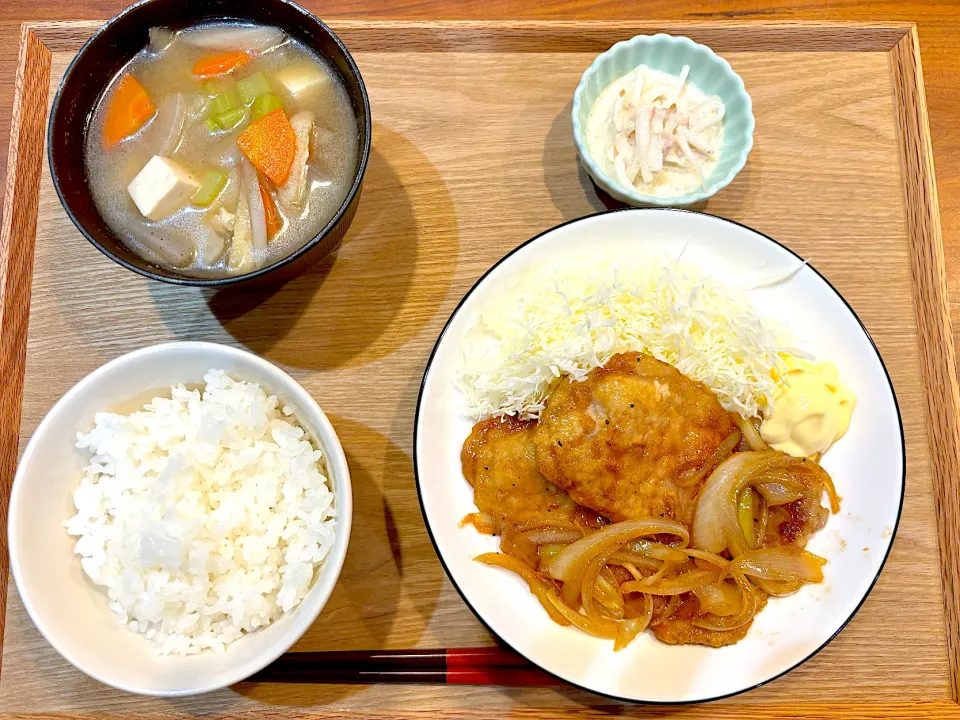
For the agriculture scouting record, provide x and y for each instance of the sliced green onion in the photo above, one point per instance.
(223, 95)
(210, 188)
(746, 509)
(251, 87)
(216, 86)
(231, 118)
(265, 103)
(225, 101)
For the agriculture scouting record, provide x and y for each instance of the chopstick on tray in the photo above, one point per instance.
(451, 666)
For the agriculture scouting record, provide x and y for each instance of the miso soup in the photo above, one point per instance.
(221, 148)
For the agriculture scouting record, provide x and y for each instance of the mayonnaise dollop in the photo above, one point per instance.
(811, 409)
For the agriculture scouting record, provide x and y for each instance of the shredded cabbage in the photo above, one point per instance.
(559, 322)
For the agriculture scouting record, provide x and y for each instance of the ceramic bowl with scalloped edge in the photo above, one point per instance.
(708, 71)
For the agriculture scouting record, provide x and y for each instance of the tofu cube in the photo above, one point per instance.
(301, 79)
(162, 187)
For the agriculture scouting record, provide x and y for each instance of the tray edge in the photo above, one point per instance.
(21, 198)
(934, 327)
(39, 40)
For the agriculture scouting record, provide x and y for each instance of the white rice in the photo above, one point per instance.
(205, 515)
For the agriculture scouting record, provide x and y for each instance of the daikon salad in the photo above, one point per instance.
(656, 133)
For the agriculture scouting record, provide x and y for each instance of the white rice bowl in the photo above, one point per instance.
(74, 614)
(204, 515)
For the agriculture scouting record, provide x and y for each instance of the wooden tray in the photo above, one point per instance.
(473, 155)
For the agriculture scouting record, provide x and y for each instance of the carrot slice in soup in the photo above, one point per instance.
(220, 64)
(129, 110)
(270, 145)
(274, 221)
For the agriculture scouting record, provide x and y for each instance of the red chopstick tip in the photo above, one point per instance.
(503, 676)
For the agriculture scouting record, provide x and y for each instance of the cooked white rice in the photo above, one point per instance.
(205, 515)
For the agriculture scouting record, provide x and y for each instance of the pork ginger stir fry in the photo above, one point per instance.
(655, 132)
(710, 522)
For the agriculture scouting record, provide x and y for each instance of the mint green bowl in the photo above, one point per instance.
(708, 71)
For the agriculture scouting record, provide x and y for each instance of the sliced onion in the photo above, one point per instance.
(548, 551)
(778, 589)
(658, 551)
(588, 585)
(664, 569)
(544, 535)
(712, 558)
(764, 520)
(483, 522)
(669, 609)
(621, 631)
(513, 542)
(635, 559)
(780, 493)
(831, 491)
(599, 628)
(812, 467)
(570, 563)
(716, 526)
(632, 627)
(676, 585)
(722, 599)
(545, 521)
(748, 609)
(750, 433)
(607, 593)
(538, 587)
(781, 564)
(570, 592)
(728, 445)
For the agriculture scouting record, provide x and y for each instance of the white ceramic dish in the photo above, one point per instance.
(72, 612)
(867, 465)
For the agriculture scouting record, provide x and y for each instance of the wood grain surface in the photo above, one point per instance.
(16, 261)
(938, 23)
(933, 315)
(925, 710)
(357, 331)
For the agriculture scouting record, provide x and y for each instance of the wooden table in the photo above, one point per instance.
(938, 23)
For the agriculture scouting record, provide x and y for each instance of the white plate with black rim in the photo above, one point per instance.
(867, 465)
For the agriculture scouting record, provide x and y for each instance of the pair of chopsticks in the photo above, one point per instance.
(452, 666)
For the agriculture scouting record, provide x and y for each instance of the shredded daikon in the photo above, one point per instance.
(656, 132)
(558, 322)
